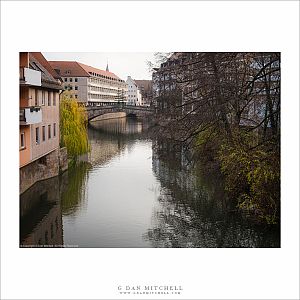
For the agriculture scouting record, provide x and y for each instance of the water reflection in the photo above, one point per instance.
(119, 188)
(41, 216)
(109, 138)
(194, 214)
(119, 127)
(73, 196)
(131, 191)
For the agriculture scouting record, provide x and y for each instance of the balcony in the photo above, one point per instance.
(30, 77)
(30, 115)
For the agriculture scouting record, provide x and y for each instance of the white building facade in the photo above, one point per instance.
(134, 96)
(91, 85)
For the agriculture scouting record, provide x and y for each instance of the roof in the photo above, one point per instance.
(45, 63)
(74, 68)
(98, 71)
(147, 84)
(39, 63)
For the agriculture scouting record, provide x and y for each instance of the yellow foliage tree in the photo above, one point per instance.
(73, 126)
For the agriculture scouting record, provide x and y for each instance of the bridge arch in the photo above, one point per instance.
(94, 111)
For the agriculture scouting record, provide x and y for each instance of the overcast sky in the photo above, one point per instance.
(122, 64)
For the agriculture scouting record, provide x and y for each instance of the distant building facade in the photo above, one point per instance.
(164, 83)
(134, 96)
(174, 86)
(145, 87)
(90, 85)
(39, 119)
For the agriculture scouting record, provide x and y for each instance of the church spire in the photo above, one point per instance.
(107, 69)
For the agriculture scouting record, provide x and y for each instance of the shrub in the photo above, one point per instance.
(252, 177)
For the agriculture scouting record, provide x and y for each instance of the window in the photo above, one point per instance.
(54, 129)
(43, 133)
(66, 79)
(54, 99)
(49, 98)
(37, 135)
(49, 131)
(35, 66)
(70, 87)
(71, 79)
(43, 97)
(76, 87)
(36, 103)
(76, 80)
(66, 87)
(22, 140)
(76, 96)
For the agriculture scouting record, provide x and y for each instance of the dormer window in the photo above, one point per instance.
(35, 66)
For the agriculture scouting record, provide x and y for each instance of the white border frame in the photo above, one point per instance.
(203, 273)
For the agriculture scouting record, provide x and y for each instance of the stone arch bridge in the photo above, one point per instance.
(95, 110)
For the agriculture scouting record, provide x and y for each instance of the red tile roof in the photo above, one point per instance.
(42, 60)
(69, 68)
(50, 79)
(74, 68)
(98, 71)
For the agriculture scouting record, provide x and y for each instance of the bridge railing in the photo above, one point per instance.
(101, 104)
(120, 105)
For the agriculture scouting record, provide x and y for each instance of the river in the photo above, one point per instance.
(132, 191)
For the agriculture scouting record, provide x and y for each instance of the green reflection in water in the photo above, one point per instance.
(193, 211)
(74, 193)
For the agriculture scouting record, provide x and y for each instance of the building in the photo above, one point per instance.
(184, 82)
(39, 120)
(145, 86)
(90, 85)
(134, 96)
(165, 88)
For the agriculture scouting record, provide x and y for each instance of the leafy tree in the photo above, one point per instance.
(226, 107)
(73, 126)
(252, 177)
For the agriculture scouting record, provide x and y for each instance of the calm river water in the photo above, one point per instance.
(131, 191)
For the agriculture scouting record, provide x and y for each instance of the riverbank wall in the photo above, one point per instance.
(109, 116)
(47, 166)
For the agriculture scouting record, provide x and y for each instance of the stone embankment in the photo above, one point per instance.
(49, 165)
